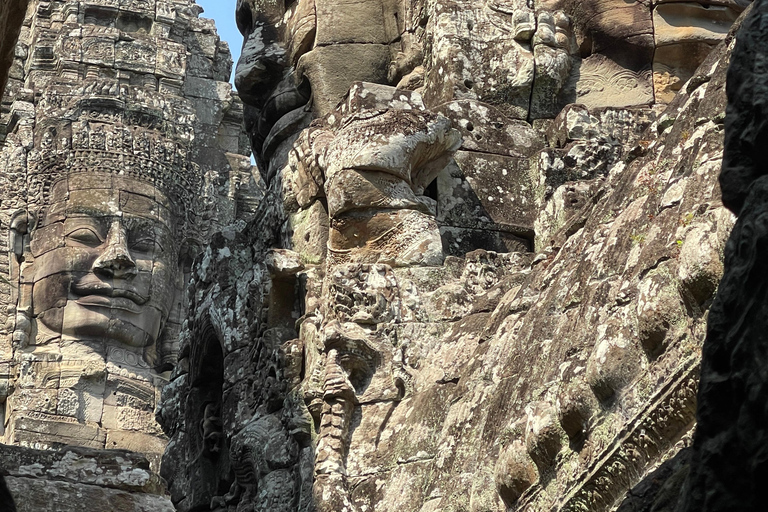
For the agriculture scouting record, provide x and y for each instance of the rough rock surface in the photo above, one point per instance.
(546, 356)
(6, 498)
(63, 481)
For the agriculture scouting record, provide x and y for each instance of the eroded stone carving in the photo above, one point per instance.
(482, 65)
(100, 269)
(679, 50)
(373, 167)
(412, 375)
(13, 16)
(122, 155)
(102, 262)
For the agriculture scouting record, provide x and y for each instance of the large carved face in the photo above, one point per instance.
(104, 260)
(529, 58)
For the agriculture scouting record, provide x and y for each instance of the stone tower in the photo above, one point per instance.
(123, 153)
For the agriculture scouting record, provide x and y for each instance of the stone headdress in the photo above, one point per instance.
(108, 135)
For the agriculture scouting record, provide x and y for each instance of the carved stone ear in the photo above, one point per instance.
(189, 249)
(21, 295)
(19, 227)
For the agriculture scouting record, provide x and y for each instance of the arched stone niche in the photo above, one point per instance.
(210, 464)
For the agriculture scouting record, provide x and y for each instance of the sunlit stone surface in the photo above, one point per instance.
(543, 355)
(123, 154)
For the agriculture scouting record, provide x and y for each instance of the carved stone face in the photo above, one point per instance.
(641, 52)
(680, 47)
(104, 261)
(545, 54)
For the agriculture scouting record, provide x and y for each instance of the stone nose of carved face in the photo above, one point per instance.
(115, 261)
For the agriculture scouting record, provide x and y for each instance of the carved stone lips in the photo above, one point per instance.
(102, 294)
(110, 302)
(700, 23)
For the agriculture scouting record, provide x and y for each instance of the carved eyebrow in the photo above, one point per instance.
(142, 225)
(142, 230)
(88, 233)
(81, 220)
(141, 239)
(70, 227)
(89, 211)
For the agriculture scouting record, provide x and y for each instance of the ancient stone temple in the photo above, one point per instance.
(123, 153)
(471, 271)
(480, 275)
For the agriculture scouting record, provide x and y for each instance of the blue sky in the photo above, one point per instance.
(223, 12)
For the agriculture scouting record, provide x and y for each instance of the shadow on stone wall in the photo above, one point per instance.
(6, 500)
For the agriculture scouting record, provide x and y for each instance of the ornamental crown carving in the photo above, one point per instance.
(107, 135)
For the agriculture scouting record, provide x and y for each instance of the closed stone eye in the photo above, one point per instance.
(86, 236)
(146, 244)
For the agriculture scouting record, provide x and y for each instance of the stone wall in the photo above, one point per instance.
(12, 16)
(544, 354)
(67, 480)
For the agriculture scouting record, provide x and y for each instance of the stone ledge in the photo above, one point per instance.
(116, 469)
(34, 495)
